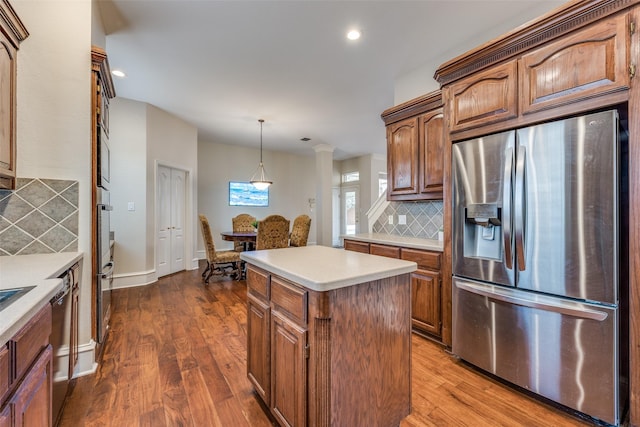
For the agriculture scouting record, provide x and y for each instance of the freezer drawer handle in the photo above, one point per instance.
(566, 309)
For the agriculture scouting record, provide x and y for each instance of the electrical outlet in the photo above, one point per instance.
(390, 219)
(402, 219)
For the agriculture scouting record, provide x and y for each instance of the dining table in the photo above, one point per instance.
(247, 238)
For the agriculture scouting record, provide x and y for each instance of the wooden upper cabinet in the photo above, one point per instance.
(415, 149)
(12, 32)
(486, 97)
(402, 155)
(431, 147)
(593, 61)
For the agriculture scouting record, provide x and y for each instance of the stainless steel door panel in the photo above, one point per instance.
(482, 175)
(566, 223)
(568, 357)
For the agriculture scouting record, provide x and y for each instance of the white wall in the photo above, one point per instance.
(142, 137)
(54, 111)
(128, 141)
(293, 185)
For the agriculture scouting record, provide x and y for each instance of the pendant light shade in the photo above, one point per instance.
(259, 178)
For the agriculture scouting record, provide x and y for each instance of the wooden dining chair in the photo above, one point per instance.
(220, 263)
(273, 232)
(241, 223)
(300, 231)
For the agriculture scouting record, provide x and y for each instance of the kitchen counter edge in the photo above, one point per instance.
(39, 270)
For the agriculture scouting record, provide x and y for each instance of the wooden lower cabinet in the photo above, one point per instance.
(289, 371)
(28, 401)
(31, 404)
(426, 283)
(258, 354)
(425, 302)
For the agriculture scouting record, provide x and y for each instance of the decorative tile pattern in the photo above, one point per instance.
(40, 216)
(424, 219)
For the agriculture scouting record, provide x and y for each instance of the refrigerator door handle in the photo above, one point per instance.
(520, 207)
(547, 304)
(506, 209)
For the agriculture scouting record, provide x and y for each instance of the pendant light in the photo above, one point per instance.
(259, 178)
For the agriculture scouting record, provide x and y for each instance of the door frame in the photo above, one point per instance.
(189, 224)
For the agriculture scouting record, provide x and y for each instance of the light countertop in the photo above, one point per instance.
(321, 268)
(395, 240)
(41, 271)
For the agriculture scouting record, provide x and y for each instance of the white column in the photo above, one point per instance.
(324, 174)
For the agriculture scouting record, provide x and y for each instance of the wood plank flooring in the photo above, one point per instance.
(176, 356)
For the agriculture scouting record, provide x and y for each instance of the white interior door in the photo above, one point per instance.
(171, 220)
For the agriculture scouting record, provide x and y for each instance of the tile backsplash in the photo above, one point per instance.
(424, 219)
(40, 216)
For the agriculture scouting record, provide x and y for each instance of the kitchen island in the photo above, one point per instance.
(329, 336)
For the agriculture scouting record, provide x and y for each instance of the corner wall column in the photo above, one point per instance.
(324, 212)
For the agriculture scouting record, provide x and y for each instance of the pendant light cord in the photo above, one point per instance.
(261, 121)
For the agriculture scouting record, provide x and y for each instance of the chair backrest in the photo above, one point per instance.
(273, 232)
(300, 231)
(243, 222)
(207, 237)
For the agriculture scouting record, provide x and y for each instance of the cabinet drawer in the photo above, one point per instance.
(31, 340)
(258, 283)
(383, 250)
(424, 259)
(352, 245)
(289, 299)
(486, 97)
(5, 379)
(549, 76)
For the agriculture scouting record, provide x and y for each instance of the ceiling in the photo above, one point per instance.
(222, 65)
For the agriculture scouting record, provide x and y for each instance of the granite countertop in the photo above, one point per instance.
(395, 240)
(321, 268)
(41, 271)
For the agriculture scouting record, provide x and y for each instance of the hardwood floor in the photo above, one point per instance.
(176, 356)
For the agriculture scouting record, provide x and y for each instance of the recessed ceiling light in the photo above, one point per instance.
(118, 73)
(353, 35)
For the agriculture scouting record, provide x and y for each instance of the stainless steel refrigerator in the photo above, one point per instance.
(536, 260)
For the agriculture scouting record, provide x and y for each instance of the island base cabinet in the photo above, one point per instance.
(340, 357)
(258, 351)
(289, 371)
(31, 405)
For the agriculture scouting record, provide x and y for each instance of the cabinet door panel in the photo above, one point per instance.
(425, 301)
(258, 347)
(5, 416)
(7, 122)
(432, 153)
(32, 401)
(402, 152)
(485, 97)
(288, 371)
(384, 250)
(591, 62)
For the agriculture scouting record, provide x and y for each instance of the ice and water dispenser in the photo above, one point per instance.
(483, 231)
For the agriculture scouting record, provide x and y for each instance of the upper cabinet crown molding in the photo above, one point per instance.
(413, 107)
(100, 64)
(11, 25)
(558, 22)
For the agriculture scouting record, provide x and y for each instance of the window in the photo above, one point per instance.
(382, 183)
(350, 177)
(246, 194)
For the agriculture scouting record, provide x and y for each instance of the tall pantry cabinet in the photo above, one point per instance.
(12, 32)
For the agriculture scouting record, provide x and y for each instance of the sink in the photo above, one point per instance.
(9, 296)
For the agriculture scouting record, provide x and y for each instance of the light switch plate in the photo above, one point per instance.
(131, 206)
(402, 219)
